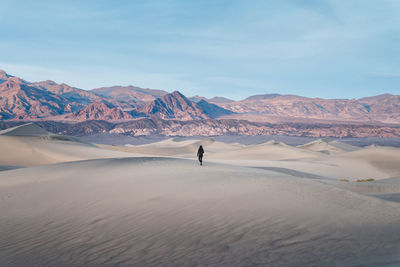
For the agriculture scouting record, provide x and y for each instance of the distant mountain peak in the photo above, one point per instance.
(13, 83)
(4, 75)
(100, 110)
(174, 105)
(15, 79)
(177, 100)
(176, 93)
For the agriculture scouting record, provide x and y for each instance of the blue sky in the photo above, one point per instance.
(325, 48)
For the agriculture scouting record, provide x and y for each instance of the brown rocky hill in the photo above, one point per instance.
(384, 108)
(4, 76)
(100, 111)
(211, 110)
(174, 106)
(80, 97)
(178, 106)
(22, 100)
(69, 92)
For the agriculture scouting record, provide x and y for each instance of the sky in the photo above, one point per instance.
(231, 48)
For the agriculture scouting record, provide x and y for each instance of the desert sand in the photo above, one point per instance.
(71, 203)
(30, 145)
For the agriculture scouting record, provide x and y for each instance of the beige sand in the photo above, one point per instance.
(29, 145)
(170, 147)
(330, 159)
(328, 146)
(130, 210)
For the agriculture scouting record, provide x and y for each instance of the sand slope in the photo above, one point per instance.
(29, 129)
(260, 205)
(176, 148)
(326, 158)
(30, 145)
(169, 212)
(270, 150)
(328, 146)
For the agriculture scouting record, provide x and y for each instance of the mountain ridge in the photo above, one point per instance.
(176, 105)
(23, 100)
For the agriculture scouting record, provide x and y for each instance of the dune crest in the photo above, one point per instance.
(29, 129)
(31, 145)
(327, 145)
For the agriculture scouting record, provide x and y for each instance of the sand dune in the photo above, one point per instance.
(29, 129)
(218, 150)
(386, 159)
(267, 151)
(328, 146)
(142, 211)
(176, 148)
(30, 145)
(337, 160)
(260, 205)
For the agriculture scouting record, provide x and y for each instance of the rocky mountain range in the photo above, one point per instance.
(210, 127)
(21, 100)
(47, 100)
(382, 108)
(99, 111)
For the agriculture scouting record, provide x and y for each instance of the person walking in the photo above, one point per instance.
(200, 153)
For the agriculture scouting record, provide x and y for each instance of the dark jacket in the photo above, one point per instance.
(200, 151)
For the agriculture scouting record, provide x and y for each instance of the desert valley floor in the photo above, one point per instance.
(65, 202)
